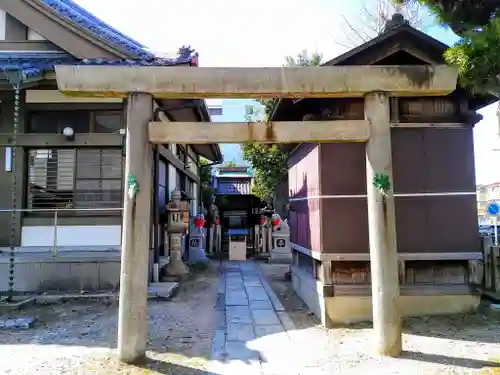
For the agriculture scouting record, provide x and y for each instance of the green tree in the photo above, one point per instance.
(477, 54)
(302, 59)
(207, 192)
(269, 165)
(231, 164)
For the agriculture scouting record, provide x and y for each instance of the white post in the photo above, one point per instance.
(495, 224)
(257, 239)
(132, 311)
(382, 229)
(211, 238)
(269, 238)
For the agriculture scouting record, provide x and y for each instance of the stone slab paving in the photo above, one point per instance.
(251, 335)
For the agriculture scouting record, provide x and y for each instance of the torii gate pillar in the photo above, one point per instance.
(133, 302)
(382, 229)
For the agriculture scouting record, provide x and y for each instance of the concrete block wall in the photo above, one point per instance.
(67, 272)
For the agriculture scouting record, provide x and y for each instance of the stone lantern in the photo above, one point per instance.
(177, 212)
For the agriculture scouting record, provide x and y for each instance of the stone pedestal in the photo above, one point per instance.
(281, 251)
(176, 226)
(176, 266)
(196, 248)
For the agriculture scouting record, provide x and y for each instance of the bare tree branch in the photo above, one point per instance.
(370, 18)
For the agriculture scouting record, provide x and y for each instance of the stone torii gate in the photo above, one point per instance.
(140, 85)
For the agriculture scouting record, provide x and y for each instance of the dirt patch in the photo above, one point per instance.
(295, 308)
(79, 337)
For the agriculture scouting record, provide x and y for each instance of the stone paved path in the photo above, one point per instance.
(251, 335)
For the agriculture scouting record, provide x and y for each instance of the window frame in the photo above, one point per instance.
(109, 211)
(91, 119)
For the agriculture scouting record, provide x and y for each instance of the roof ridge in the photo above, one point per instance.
(102, 30)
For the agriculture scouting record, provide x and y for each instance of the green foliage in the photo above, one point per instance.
(478, 58)
(207, 192)
(477, 54)
(231, 164)
(302, 59)
(269, 164)
(461, 15)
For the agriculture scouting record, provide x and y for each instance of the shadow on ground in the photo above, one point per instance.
(446, 360)
(111, 366)
(483, 326)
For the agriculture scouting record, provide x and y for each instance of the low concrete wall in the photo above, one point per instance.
(40, 272)
(346, 309)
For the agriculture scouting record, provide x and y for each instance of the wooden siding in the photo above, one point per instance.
(303, 180)
(425, 160)
(345, 220)
(435, 161)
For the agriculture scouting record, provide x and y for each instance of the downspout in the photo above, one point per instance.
(156, 216)
(209, 222)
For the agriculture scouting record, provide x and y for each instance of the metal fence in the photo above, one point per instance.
(35, 265)
(54, 215)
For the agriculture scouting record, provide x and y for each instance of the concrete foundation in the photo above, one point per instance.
(70, 271)
(347, 309)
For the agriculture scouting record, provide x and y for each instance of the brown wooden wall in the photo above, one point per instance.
(425, 160)
(303, 183)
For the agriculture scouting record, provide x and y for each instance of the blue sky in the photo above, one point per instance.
(261, 33)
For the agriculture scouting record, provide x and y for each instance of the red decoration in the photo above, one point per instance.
(199, 221)
(263, 220)
(275, 220)
(217, 222)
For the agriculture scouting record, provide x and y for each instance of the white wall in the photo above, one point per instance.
(33, 35)
(72, 235)
(3, 24)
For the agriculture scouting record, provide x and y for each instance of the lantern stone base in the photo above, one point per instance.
(176, 267)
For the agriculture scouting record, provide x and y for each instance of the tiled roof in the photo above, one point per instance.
(31, 65)
(75, 13)
(23, 65)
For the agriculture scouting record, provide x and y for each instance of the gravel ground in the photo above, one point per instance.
(460, 344)
(78, 337)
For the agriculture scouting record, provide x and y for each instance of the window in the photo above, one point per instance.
(107, 122)
(162, 186)
(180, 180)
(215, 111)
(249, 110)
(53, 122)
(75, 178)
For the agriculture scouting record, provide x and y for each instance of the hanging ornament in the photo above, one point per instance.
(382, 183)
(133, 186)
